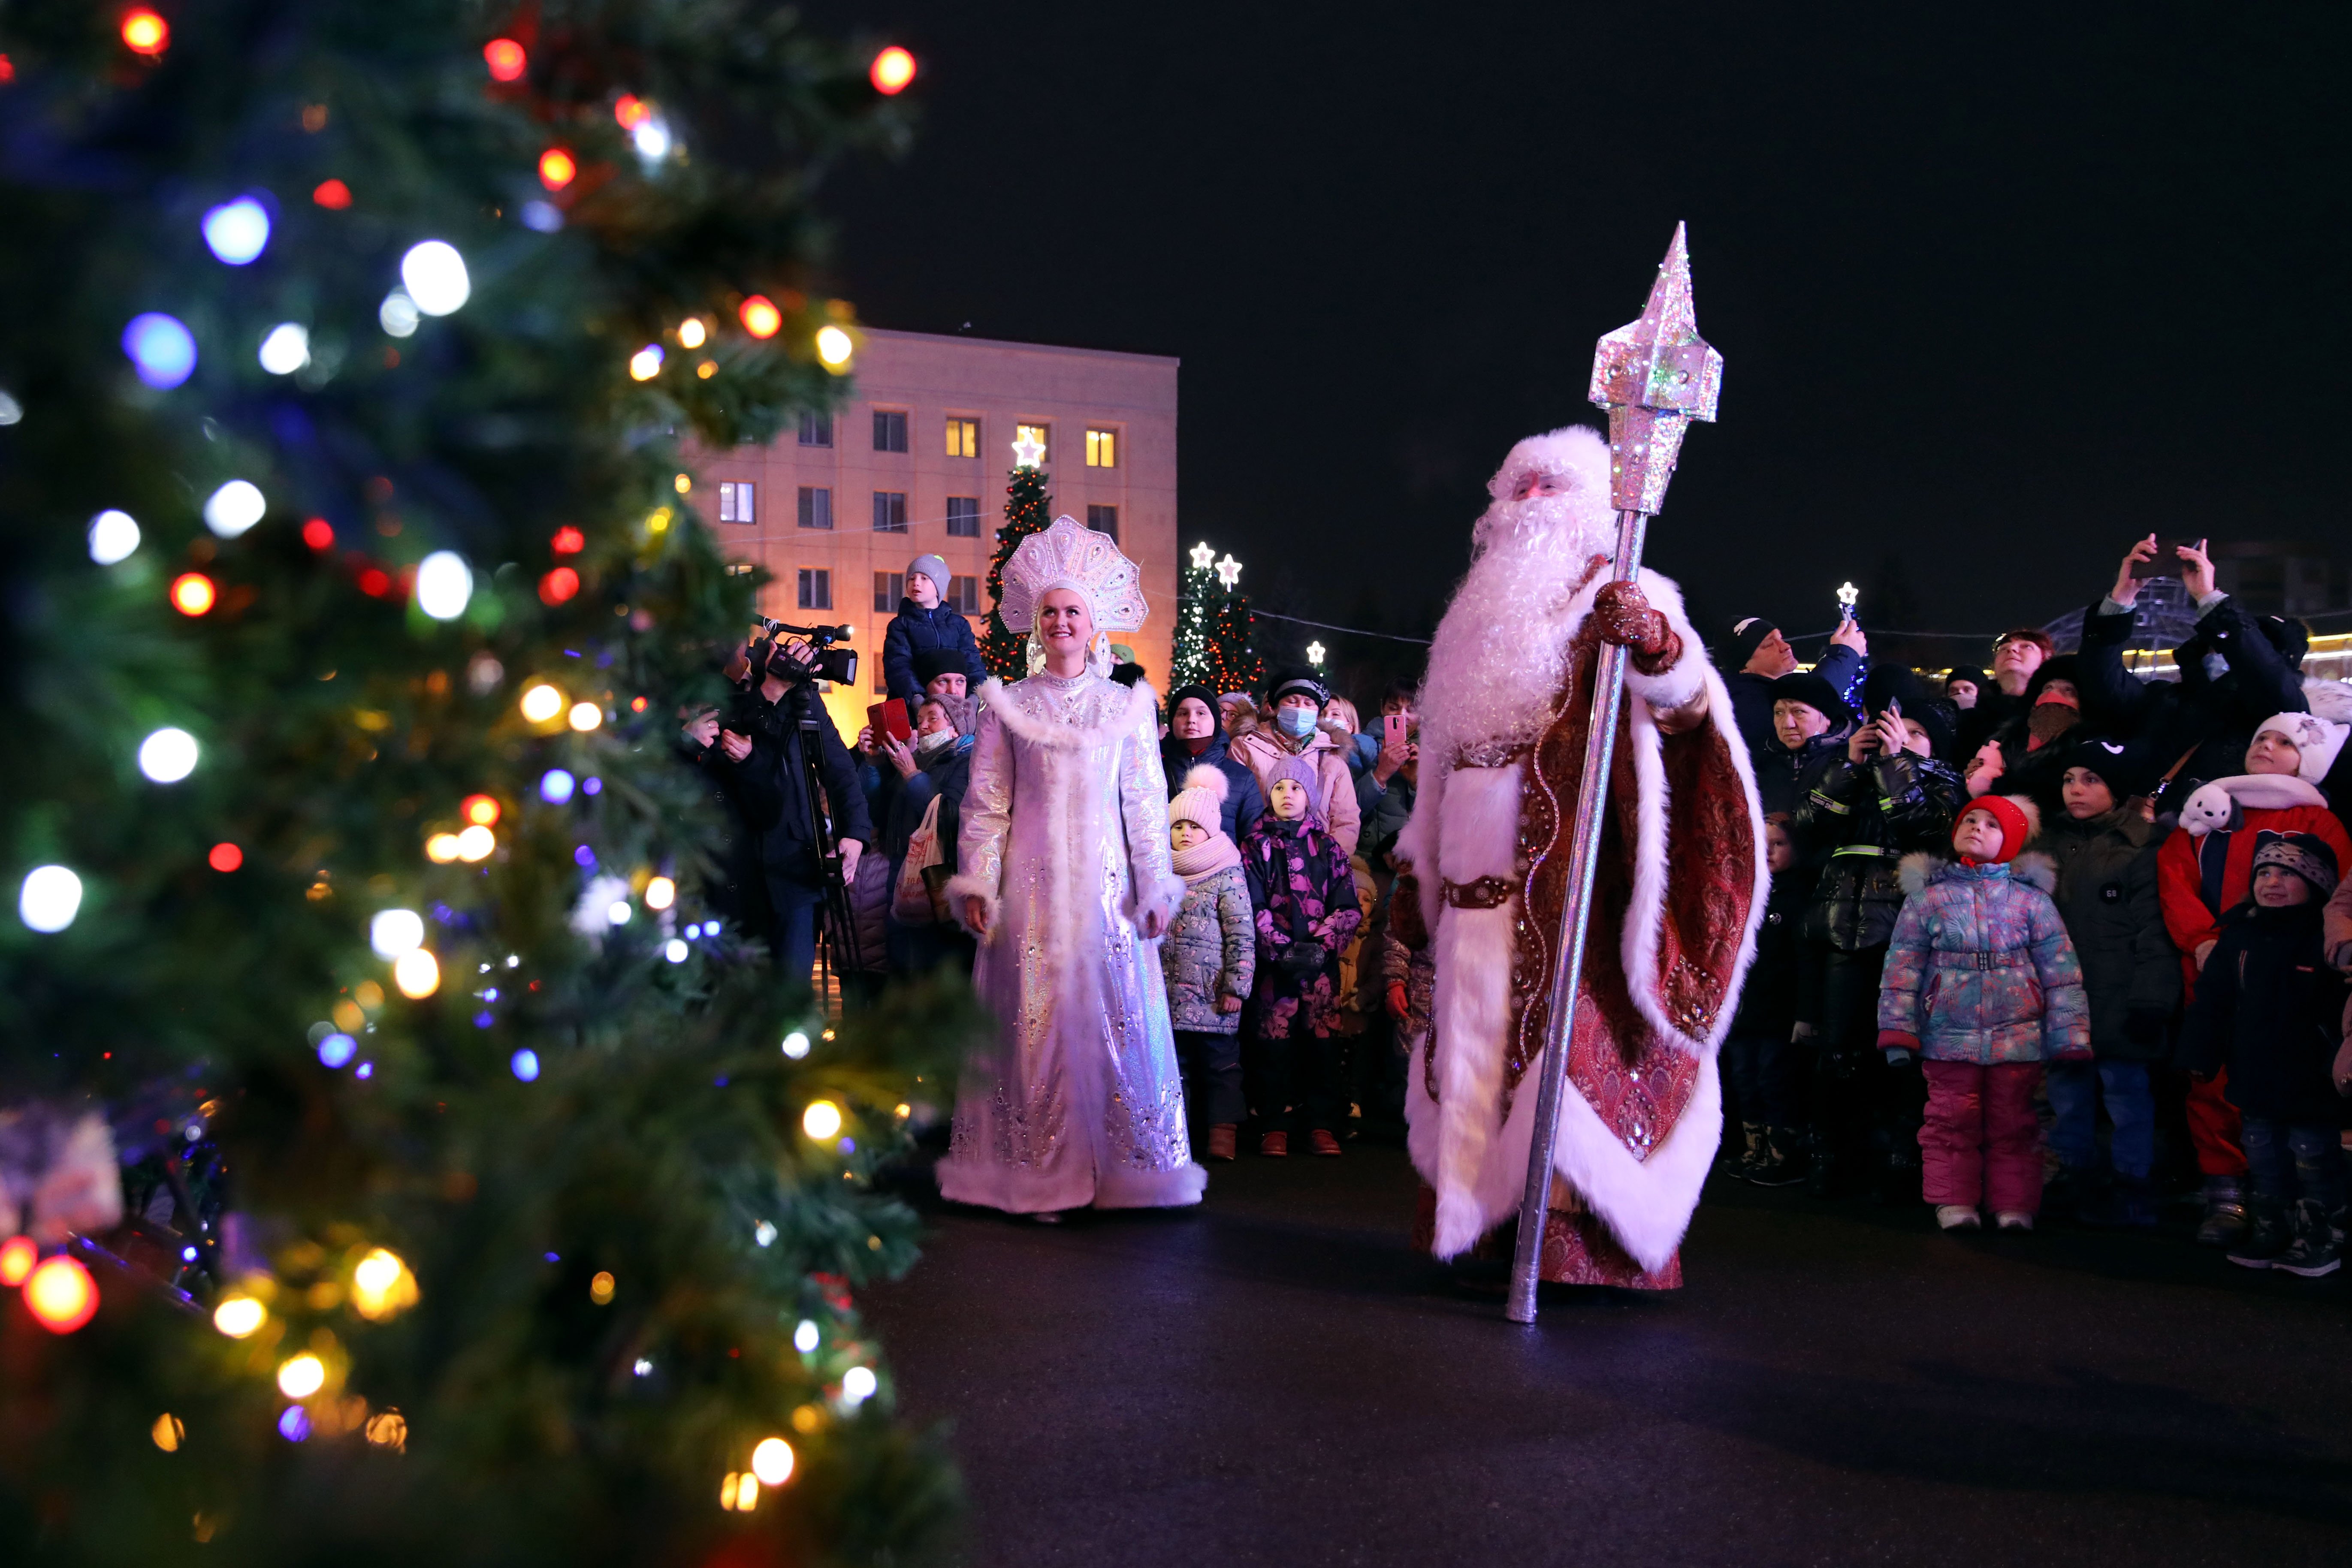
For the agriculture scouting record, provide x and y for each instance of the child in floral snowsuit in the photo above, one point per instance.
(1304, 894)
(1982, 981)
(1209, 958)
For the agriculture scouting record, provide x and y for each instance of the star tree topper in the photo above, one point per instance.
(1229, 572)
(1028, 452)
(1203, 556)
(1654, 376)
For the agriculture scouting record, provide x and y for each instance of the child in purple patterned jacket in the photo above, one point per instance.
(1982, 981)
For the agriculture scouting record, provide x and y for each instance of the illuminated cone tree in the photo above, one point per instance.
(355, 577)
(1028, 509)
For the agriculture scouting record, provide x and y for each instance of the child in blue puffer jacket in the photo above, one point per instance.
(1982, 981)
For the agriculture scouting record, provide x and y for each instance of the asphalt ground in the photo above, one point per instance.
(1276, 1377)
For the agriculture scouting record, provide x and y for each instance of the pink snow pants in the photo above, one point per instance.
(1981, 1145)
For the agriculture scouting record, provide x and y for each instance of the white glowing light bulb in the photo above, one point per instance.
(168, 756)
(234, 507)
(396, 931)
(443, 583)
(287, 348)
(112, 537)
(434, 276)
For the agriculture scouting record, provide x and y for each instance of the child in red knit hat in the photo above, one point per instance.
(1982, 981)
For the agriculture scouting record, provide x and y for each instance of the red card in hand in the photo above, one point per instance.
(891, 718)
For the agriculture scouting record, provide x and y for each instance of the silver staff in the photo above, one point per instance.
(1653, 376)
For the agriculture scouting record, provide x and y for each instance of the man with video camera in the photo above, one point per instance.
(807, 849)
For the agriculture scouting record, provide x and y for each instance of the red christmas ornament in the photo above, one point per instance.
(559, 585)
(318, 534)
(568, 540)
(375, 582)
(225, 857)
(332, 195)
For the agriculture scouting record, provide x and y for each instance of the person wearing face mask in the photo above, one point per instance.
(935, 766)
(1298, 698)
(1308, 908)
(1063, 879)
(1195, 740)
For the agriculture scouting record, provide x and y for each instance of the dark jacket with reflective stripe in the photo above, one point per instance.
(1862, 818)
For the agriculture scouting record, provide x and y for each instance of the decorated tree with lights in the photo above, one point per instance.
(1232, 657)
(1028, 509)
(1197, 600)
(360, 943)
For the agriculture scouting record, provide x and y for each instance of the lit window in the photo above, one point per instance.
(816, 507)
(1103, 520)
(735, 502)
(817, 430)
(963, 438)
(889, 511)
(889, 587)
(1043, 434)
(963, 517)
(1102, 449)
(816, 588)
(963, 592)
(890, 430)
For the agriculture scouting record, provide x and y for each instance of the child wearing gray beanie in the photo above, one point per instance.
(926, 624)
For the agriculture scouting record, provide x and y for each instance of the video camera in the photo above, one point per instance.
(773, 653)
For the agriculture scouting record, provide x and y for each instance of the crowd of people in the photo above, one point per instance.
(2049, 916)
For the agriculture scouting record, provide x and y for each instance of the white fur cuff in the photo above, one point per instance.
(1674, 688)
(1162, 897)
(962, 887)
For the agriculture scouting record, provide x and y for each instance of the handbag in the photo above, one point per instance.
(911, 900)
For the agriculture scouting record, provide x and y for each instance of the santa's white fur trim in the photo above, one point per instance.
(1675, 685)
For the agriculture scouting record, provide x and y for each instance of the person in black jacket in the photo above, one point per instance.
(1884, 796)
(2016, 654)
(757, 755)
(2269, 1008)
(924, 624)
(1194, 737)
(1756, 1052)
(1811, 722)
(1757, 656)
(2236, 670)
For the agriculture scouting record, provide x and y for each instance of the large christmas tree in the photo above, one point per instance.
(1232, 656)
(1197, 597)
(1028, 509)
(354, 577)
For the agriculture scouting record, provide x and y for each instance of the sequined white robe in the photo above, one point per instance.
(1064, 836)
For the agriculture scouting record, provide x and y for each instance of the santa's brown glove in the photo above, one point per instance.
(1623, 615)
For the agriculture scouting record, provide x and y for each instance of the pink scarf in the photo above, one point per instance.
(1205, 859)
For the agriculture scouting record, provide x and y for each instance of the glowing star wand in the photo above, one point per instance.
(1653, 376)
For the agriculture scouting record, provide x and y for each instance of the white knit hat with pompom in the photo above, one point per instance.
(1202, 802)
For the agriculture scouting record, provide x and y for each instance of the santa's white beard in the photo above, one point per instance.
(1497, 663)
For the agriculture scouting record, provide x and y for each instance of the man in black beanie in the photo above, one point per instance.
(1756, 654)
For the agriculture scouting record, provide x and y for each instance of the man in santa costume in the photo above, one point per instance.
(1679, 888)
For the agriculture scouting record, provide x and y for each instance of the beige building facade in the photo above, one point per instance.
(915, 464)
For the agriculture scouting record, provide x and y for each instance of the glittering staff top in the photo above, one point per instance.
(1654, 376)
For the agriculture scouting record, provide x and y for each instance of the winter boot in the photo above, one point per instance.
(1751, 1151)
(1323, 1143)
(1222, 1137)
(2314, 1251)
(1957, 1216)
(1274, 1144)
(1780, 1164)
(2225, 1214)
(2266, 1236)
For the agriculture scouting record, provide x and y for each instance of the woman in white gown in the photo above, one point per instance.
(1066, 882)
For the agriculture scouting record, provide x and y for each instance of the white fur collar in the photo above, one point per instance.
(1141, 703)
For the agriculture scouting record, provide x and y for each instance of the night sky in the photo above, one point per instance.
(1999, 288)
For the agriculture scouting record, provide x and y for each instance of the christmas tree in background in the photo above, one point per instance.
(1028, 509)
(474, 1214)
(1234, 664)
(1197, 598)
